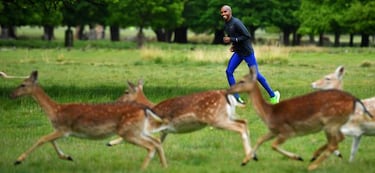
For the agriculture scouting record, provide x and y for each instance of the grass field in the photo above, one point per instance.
(99, 75)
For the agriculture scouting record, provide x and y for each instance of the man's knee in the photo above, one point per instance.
(229, 72)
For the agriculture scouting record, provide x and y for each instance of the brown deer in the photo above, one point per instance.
(321, 110)
(357, 126)
(92, 121)
(193, 112)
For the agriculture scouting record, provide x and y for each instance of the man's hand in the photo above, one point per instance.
(231, 49)
(226, 39)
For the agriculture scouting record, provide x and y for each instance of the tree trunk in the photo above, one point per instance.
(92, 32)
(80, 32)
(12, 32)
(140, 37)
(252, 34)
(311, 38)
(218, 36)
(4, 32)
(68, 37)
(114, 32)
(365, 40)
(298, 41)
(163, 35)
(159, 35)
(180, 35)
(48, 32)
(8, 32)
(286, 34)
(321, 39)
(351, 40)
(337, 39)
(296, 38)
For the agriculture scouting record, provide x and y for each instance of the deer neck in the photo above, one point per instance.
(48, 105)
(146, 101)
(260, 105)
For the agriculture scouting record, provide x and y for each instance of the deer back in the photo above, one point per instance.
(194, 111)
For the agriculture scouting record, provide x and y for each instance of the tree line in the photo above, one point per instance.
(170, 20)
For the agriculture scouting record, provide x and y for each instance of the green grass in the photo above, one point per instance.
(100, 74)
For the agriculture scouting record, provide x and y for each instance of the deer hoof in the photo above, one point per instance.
(340, 156)
(70, 158)
(299, 158)
(255, 157)
(17, 162)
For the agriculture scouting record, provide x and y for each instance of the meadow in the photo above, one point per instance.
(98, 75)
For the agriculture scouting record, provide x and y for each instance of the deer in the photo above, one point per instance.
(324, 110)
(356, 127)
(192, 112)
(128, 120)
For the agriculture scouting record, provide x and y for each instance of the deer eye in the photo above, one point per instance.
(328, 78)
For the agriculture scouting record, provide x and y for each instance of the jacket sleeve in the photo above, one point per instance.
(243, 33)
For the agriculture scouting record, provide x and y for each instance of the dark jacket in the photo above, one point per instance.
(239, 36)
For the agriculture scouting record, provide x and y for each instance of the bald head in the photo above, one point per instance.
(226, 12)
(226, 7)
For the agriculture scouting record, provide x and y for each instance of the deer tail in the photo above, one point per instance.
(153, 115)
(364, 108)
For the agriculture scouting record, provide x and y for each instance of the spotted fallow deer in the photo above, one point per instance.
(92, 121)
(215, 108)
(358, 125)
(321, 110)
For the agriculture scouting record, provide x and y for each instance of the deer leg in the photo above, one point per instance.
(263, 139)
(50, 137)
(239, 126)
(318, 152)
(159, 149)
(163, 135)
(115, 142)
(333, 141)
(60, 152)
(280, 140)
(150, 144)
(355, 144)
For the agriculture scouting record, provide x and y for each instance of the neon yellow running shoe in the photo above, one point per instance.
(275, 99)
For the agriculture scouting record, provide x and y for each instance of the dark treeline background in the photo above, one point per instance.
(171, 20)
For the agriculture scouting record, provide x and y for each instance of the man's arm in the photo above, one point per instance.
(242, 31)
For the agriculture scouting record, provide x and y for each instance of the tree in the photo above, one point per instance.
(314, 18)
(361, 17)
(171, 12)
(13, 14)
(283, 16)
(257, 14)
(161, 15)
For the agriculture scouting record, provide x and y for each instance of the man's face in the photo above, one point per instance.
(225, 13)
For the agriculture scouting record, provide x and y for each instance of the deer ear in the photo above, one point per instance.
(140, 83)
(340, 72)
(131, 86)
(34, 75)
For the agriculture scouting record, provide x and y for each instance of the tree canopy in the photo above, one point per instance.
(164, 17)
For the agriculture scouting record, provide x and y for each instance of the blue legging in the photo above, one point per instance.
(233, 63)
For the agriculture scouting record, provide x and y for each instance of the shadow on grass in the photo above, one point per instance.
(101, 93)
